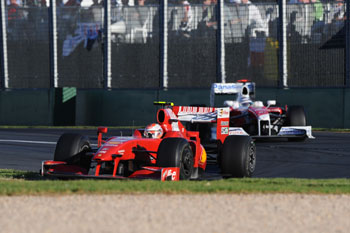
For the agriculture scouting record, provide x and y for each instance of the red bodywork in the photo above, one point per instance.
(115, 150)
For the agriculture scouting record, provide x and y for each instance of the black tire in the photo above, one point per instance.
(296, 116)
(238, 157)
(176, 152)
(71, 148)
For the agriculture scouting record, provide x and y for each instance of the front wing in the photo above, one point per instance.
(63, 170)
(289, 132)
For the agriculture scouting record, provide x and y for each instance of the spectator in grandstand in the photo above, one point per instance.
(308, 19)
(334, 17)
(95, 3)
(14, 12)
(141, 14)
(257, 31)
(237, 20)
(15, 18)
(95, 11)
(187, 19)
(318, 10)
(319, 23)
(338, 10)
(139, 21)
(140, 2)
(213, 21)
(207, 25)
(120, 17)
(33, 20)
(43, 3)
(256, 24)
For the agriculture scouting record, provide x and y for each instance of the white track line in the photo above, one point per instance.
(24, 141)
(32, 142)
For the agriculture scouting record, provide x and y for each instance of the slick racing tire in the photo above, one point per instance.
(238, 157)
(176, 152)
(296, 116)
(71, 148)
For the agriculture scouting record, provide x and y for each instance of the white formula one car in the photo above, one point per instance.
(250, 117)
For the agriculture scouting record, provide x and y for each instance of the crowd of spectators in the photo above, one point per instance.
(133, 21)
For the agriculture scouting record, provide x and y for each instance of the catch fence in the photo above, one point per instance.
(174, 44)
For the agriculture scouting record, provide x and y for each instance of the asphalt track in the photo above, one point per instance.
(327, 156)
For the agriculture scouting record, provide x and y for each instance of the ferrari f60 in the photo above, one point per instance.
(163, 150)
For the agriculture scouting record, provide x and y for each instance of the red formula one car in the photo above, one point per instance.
(164, 150)
(250, 117)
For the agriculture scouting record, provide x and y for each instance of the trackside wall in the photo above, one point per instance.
(26, 107)
(116, 107)
(329, 108)
(324, 107)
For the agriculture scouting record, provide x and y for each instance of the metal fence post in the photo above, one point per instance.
(347, 45)
(53, 44)
(163, 36)
(282, 41)
(220, 43)
(3, 48)
(107, 52)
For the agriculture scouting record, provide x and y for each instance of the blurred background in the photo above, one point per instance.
(95, 62)
(206, 41)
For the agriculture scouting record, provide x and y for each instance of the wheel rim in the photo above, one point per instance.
(187, 162)
(85, 147)
(252, 158)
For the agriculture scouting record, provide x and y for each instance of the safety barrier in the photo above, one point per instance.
(329, 108)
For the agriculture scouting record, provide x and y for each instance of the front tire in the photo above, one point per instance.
(71, 148)
(238, 157)
(176, 152)
(296, 116)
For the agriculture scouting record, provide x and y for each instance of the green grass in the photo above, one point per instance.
(13, 182)
(331, 130)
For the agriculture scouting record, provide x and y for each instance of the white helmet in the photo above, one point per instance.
(245, 101)
(153, 131)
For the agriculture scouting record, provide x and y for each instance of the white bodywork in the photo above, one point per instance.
(296, 130)
(228, 88)
(243, 101)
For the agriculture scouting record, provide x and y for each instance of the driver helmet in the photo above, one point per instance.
(153, 131)
(245, 101)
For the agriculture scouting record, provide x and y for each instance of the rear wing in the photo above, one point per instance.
(229, 89)
(195, 114)
(220, 116)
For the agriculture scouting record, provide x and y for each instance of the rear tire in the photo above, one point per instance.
(238, 157)
(71, 148)
(176, 152)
